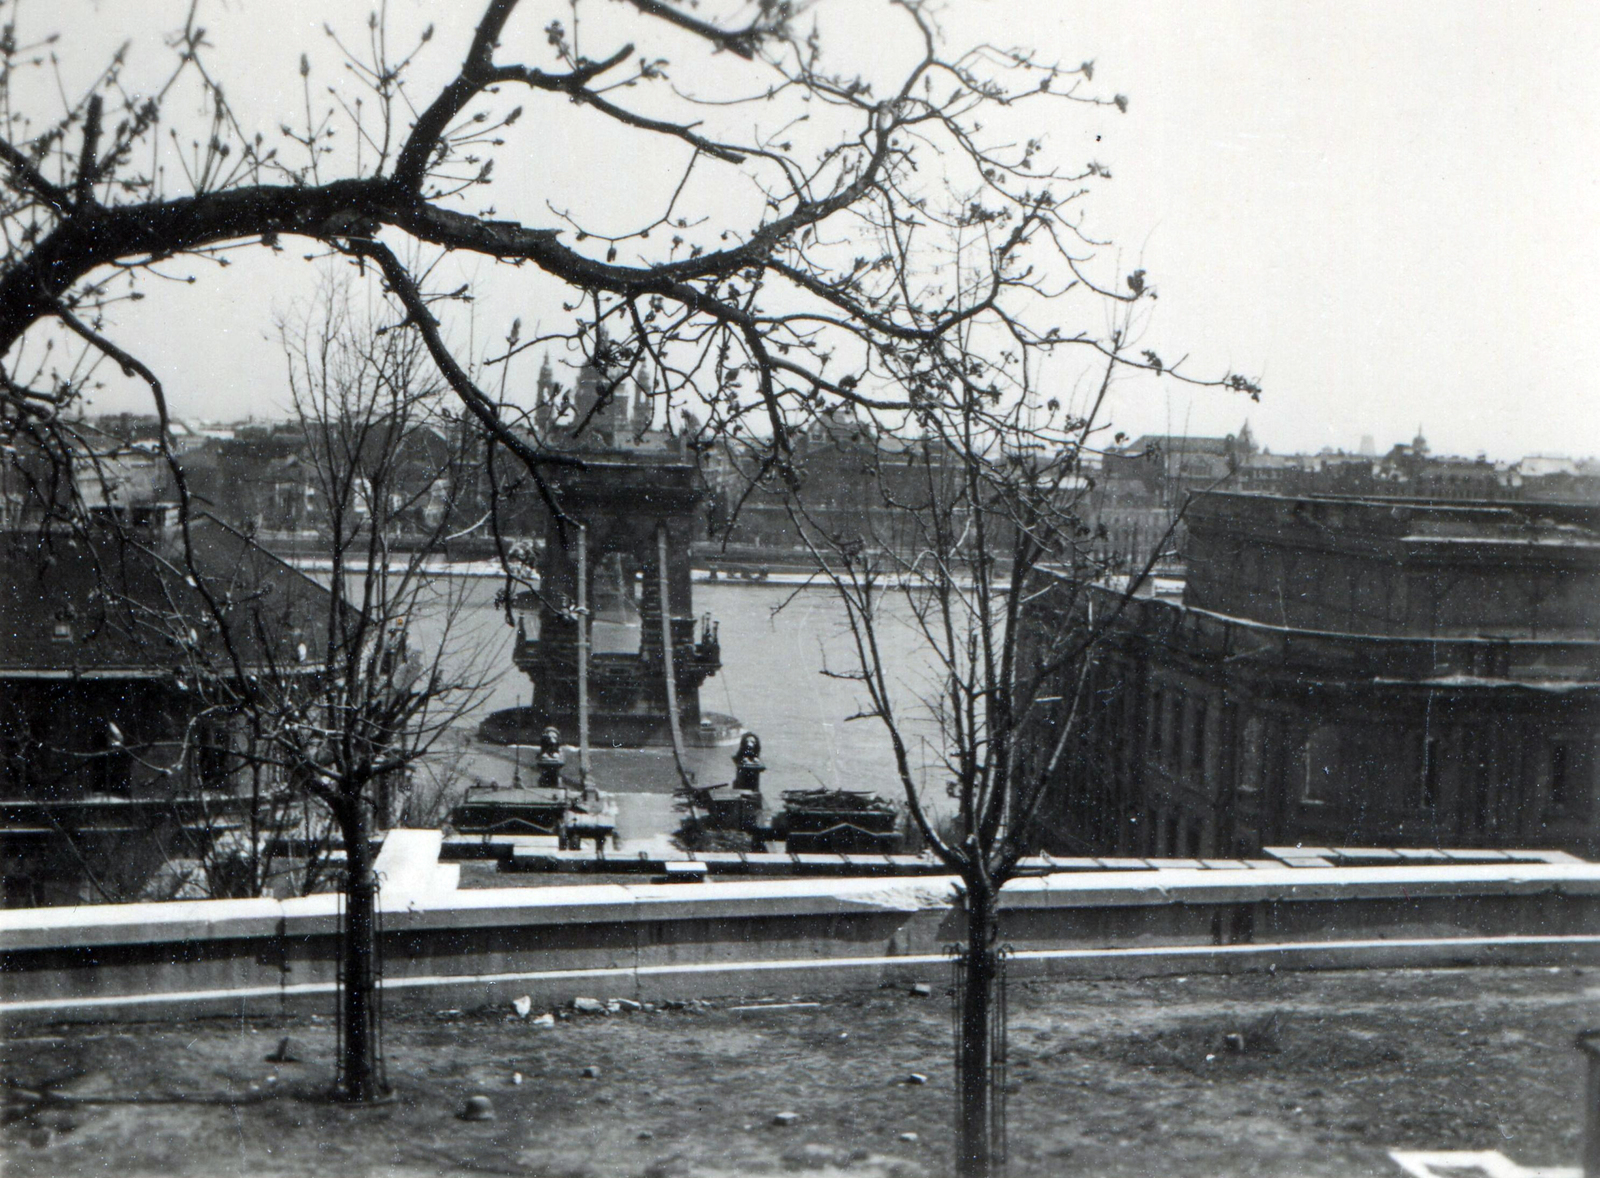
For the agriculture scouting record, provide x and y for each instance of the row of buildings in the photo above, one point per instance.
(1341, 650)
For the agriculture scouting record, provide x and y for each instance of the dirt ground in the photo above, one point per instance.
(1287, 1074)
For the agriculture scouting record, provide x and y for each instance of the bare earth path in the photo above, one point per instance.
(1314, 1074)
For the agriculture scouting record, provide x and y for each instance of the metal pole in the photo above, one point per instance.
(1589, 1044)
(583, 658)
(666, 654)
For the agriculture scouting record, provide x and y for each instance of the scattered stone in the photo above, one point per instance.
(784, 1120)
(673, 1004)
(910, 1138)
(916, 1078)
(564, 1015)
(516, 1077)
(1234, 1041)
(591, 1072)
(649, 1006)
(523, 1006)
(588, 1006)
(844, 1034)
(645, 1135)
(613, 1007)
(922, 990)
(478, 1108)
(629, 1005)
(287, 1051)
(545, 1020)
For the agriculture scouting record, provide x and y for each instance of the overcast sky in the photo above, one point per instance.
(1386, 211)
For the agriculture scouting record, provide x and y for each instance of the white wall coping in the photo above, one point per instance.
(433, 904)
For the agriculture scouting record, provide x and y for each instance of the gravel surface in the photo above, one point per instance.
(1286, 1074)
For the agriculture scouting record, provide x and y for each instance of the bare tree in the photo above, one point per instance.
(345, 709)
(987, 548)
(893, 241)
(780, 275)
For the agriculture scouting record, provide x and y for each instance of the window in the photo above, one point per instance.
(1197, 739)
(62, 632)
(1322, 766)
(1250, 755)
(1560, 777)
(214, 754)
(1430, 773)
(111, 767)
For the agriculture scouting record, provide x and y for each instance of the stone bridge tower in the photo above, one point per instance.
(624, 500)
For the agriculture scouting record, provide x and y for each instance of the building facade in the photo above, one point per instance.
(1350, 672)
(113, 763)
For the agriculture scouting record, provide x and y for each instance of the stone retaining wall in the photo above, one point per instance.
(445, 947)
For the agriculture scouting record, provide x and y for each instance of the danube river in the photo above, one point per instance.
(776, 643)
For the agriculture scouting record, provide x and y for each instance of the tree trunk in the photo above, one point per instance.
(358, 1014)
(976, 1147)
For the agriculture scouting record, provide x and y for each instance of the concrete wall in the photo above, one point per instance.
(445, 947)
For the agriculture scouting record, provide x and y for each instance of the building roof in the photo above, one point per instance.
(118, 602)
(1178, 444)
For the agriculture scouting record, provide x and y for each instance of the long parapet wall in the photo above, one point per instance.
(448, 947)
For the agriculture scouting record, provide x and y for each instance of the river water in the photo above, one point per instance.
(776, 643)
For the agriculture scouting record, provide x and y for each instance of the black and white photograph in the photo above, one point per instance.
(854, 588)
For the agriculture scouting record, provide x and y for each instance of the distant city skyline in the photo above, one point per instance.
(1379, 447)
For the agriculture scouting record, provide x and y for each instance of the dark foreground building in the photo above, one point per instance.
(114, 764)
(1351, 672)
